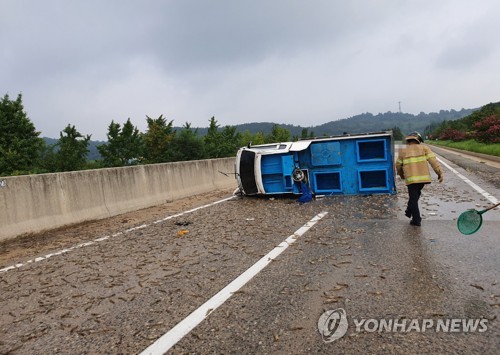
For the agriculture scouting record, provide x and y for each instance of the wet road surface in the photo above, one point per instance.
(122, 293)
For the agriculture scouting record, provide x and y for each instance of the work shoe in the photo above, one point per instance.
(415, 223)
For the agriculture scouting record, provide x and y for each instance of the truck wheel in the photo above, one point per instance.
(298, 175)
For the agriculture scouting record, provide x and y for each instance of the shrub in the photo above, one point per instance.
(487, 130)
(453, 135)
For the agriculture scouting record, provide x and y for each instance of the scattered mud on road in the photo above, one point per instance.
(118, 296)
(32, 245)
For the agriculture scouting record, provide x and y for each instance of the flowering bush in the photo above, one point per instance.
(453, 134)
(487, 130)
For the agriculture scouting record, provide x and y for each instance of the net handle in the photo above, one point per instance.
(489, 208)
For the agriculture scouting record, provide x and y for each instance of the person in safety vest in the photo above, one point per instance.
(413, 168)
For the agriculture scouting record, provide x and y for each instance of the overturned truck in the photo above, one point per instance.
(348, 164)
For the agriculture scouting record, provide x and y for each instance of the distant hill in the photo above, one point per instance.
(362, 123)
(368, 122)
(365, 122)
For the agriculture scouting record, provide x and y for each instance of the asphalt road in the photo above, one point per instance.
(122, 293)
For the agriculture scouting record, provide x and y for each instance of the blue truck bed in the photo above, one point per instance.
(347, 164)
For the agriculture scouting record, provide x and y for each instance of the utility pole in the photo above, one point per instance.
(399, 102)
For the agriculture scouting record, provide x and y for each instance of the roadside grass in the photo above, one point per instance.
(472, 146)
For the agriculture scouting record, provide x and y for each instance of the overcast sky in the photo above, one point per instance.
(89, 62)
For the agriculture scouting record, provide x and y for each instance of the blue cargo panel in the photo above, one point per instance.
(273, 183)
(327, 181)
(271, 164)
(373, 180)
(277, 173)
(371, 150)
(325, 153)
(288, 166)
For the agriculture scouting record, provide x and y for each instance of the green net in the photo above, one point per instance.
(469, 222)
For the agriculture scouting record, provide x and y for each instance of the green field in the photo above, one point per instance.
(472, 146)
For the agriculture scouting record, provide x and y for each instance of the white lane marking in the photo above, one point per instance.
(486, 194)
(85, 244)
(193, 210)
(169, 339)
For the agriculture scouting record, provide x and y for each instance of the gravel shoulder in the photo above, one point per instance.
(488, 170)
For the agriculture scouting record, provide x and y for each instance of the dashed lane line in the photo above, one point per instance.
(101, 239)
(169, 339)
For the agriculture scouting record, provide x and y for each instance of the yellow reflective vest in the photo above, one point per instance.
(412, 164)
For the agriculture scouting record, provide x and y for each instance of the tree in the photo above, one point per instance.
(278, 134)
(158, 140)
(246, 138)
(110, 152)
(124, 145)
(259, 138)
(213, 139)
(397, 134)
(219, 144)
(187, 145)
(230, 141)
(73, 149)
(20, 146)
(48, 159)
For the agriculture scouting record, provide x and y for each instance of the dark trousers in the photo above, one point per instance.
(414, 192)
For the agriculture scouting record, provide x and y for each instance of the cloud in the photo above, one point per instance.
(289, 61)
(471, 43)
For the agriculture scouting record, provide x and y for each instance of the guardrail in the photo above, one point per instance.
(33, 203)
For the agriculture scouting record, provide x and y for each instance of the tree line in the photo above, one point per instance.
(23, 151)
(482, 126)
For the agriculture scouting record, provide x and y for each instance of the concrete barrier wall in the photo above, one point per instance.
(34, 203)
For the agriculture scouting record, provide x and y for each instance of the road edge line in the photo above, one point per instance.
(486, 194)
